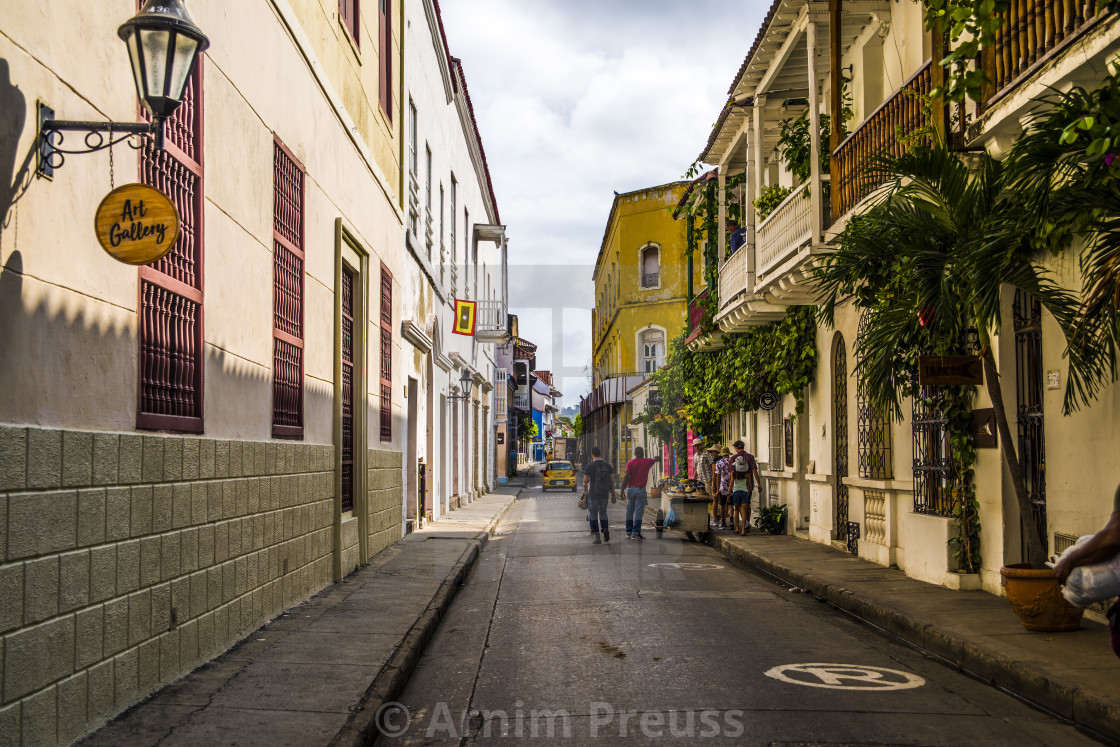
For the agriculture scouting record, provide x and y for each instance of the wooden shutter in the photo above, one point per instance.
(386, 354)
(347, 389)
(171, 356)
(349, 11)
(385, 41)
(287, 289)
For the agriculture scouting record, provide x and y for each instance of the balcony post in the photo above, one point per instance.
(756, 182)
(814, 132)
(721, 197)
(748, 217)
(836, 91)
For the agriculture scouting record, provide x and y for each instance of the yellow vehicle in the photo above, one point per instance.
(558, 475)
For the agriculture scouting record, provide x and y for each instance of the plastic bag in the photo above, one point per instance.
(672, 519)
(1092, 583)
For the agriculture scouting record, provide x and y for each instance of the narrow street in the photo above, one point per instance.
(554, 639)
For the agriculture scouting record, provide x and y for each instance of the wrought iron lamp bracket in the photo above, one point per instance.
(98, 136)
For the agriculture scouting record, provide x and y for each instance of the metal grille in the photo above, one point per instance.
(777, 438)
(873, 428)
(933, 466)
(853, 537)
(347, 390)
(386, 404)
(288, 291)
(169, 362)
(160, 169)
(287, 389)
(170, 342)
(1027, 314)
(287, 212)
(650, 279)
(840, 437)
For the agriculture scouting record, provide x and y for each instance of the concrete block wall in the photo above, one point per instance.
(386, 507)
(126, 560)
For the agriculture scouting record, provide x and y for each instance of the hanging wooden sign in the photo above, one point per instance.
(950, 370)
(137, 224)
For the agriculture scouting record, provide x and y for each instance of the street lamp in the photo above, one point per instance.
(163, 45)
(466, 382)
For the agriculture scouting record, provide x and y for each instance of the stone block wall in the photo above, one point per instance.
(386, 507)
(126, 560)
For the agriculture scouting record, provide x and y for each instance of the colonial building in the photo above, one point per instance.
(456, 249)
(642, 281)
(850, 475)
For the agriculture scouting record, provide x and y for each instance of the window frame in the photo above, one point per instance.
(385, 348)
(642, 254)
(385, 57)
(352, 25)
(279, 335)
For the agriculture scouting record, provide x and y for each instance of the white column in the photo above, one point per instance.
(757, 160)
(721, 189)
(814, 133)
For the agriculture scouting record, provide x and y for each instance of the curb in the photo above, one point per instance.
(1085, 709)
(361, 729)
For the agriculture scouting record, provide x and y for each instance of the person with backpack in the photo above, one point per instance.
(598, 484)
(745, 477)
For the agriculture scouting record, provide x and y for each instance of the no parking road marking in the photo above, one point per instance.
(845, 677)
(688, 566)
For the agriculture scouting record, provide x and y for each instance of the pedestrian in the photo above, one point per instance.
(598, 483)
(702, 465)
(634, 479)
(1103, 547)
(722, 468)
(737, 236)
(710, 481)
(744, 479)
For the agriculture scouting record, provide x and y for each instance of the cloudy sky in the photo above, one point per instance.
(577, 99)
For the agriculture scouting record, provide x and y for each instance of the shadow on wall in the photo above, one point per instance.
(13, 118)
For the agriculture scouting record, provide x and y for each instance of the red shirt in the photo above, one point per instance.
(637, 471)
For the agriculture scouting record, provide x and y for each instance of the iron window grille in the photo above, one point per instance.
(386, 316)
(347, 497)
(873, 429)
(933, 463)
(170, 325)
(840, 439)
(287, 294)
(1027, 315)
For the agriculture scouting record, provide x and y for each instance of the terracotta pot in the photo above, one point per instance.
(655, 493)
(1036, 598)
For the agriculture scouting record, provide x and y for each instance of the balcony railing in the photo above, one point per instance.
(490, 320)
(521, 401)
(788, 228)
(1031, 30)
(733, 276)
(651, 279)
(428, 231)
(899, 115)
(413, 205)
(696, 312)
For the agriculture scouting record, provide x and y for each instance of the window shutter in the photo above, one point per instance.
(386, 407)
(287, 294)
(171, 290)
(385, 39)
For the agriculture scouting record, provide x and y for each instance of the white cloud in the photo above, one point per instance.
(581, 98)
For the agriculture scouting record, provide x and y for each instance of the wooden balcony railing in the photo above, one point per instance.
(898, 116)
(733, 276)
(788, 228)
(696, 312)
(1031, 30)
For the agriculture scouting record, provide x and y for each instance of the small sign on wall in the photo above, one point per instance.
(984, 433)
(950, 370)
(787, 425)
(137, 224)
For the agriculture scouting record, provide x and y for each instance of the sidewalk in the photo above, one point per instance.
(318, 673)
(1073, 674)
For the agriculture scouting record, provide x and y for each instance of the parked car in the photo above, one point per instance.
(558, 475)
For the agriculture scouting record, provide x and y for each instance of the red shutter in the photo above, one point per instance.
(386, 354)
(171, 356)
(287, 298)
(347, 389)
(348, 10)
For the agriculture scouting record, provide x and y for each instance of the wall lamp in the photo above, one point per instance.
(163, 44)
(466, 382)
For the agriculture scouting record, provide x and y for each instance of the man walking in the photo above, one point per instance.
(598, 483)
(634, 479)
(722, 469)
(744, 470)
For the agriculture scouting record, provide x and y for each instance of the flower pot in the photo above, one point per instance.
(1036, 597)
(655, 494)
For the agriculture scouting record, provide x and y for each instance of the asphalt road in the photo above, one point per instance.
(556, 640)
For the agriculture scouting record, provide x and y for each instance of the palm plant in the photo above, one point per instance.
(930, 261)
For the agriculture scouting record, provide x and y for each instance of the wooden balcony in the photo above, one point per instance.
(696, 312)
(733, 277)
(879, 134)
(787, 230)
(1033, 30)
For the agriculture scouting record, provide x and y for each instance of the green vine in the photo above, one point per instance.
(769, 198)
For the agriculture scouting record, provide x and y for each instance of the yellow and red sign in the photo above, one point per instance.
(464, 317)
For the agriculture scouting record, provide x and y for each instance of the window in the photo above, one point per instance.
(413, 168)
(428, 180)
(171, 290)
(454, 191)
(386, 354)
(653, 348)
(873, 428)
(651, 267)
(348, 11)
(777, 437)
(385, 39)
(933, 458)
(287, 293)
(441, 214)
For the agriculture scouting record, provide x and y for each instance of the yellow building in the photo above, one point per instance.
(641, 299)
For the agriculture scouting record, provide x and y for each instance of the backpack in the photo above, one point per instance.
(601, 480)
(740, 464)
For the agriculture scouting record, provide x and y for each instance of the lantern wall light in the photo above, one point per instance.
(163, 45)
(466, 382)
